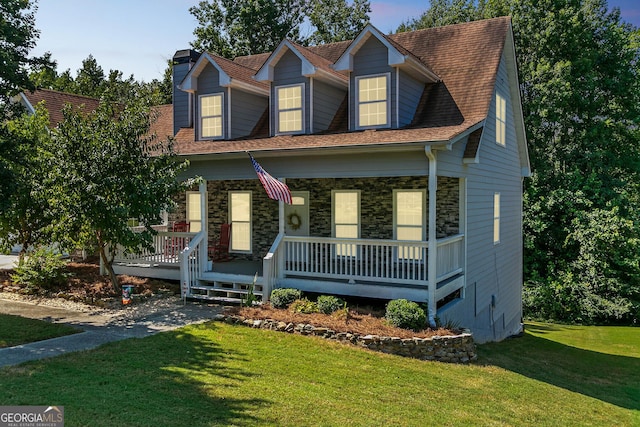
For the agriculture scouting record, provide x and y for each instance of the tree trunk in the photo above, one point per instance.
(108, 264)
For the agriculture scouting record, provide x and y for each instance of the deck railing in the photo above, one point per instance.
(271, 267)
(190, 264)
(165, 250)
(395, 261)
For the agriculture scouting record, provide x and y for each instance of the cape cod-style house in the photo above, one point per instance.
(404, 154)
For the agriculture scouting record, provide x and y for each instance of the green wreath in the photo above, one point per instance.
(294, 221)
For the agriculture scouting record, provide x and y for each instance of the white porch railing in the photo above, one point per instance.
(191, 264)
(165, 250)
(271, 267)
(390, 261)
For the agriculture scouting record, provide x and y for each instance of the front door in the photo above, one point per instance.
(296, 215)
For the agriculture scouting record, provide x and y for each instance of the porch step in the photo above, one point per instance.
(224, 291)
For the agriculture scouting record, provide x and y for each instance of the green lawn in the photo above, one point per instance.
(218, 374)
(16, 330)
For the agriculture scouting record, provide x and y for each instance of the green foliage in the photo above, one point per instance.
(283, 297)
(304, 306)
(328, 304)
(41, 269)
(251, 297)
(406, 314)
(230, 27)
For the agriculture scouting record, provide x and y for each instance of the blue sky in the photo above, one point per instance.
(139, 36)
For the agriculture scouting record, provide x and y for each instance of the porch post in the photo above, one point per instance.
(204, 228)
(432, 266)
(281, 211)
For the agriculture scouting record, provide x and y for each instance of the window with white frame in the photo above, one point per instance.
(496, 218)
(211, 116)
(289, 104)
(373, 107)
(501, 120)
(240, 219)
(194, 214)
(346, 219)
(409, 220)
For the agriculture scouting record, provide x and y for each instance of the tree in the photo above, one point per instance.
(233, 28)
(581, 99)
(105, 169)
(27, 216)
(335, 20)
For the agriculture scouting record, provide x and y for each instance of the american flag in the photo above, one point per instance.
(275, 189)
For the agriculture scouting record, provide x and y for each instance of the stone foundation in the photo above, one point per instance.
(452, 349)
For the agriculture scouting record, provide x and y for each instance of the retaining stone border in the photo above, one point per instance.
(452, 349)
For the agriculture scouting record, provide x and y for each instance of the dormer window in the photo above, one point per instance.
(373, 106)
(289, 104)
(211, 116)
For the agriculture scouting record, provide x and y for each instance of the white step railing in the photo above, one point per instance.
(272, 267)
(191, 264)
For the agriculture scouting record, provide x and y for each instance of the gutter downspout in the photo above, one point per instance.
(433, 244)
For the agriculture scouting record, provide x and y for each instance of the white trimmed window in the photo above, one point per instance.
(346, 219)
(194, 217)
(289, 104)
(211, 116)
(409, 220)
(496, 218)
(501, 120)
(240, 219)
(373, 106)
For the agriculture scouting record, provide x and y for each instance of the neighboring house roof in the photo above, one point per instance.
(465, 59)
(55, 102)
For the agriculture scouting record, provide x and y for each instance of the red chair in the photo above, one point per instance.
(175, 244)
(220, 251)
(180, 227)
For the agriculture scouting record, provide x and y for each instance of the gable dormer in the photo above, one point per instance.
(227, 103)
(305, 91)
(386, 81)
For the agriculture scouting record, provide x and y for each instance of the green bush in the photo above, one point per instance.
(304, 306)
(406, 315)
(327, 304)
(283, 297)
(41, 269)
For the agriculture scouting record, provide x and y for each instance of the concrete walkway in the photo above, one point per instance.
(100, 328)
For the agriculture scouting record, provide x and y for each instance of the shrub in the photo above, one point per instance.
(406, 314)
(41, 269)
(283, 297)
(327, 304)
(304, 306)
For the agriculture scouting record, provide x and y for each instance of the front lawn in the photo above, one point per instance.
(16, 330)
(219, 374)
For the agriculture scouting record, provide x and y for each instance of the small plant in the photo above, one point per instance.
(251, 297)
(283, 297)
(327, 304)
(406, 314)
(304, 306)
(41, 269)
(343, 313)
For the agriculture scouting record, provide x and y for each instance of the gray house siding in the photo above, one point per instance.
(246, 110)
(494, 271)
(180, 99)
(409, 95)
(372, 58)
(326, 100)
(208, 84)
(288, 72)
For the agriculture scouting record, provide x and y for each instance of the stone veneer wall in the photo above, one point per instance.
(376, 206)
(452, 349)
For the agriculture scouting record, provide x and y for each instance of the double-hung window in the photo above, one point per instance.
(373, 107)
(240, 218)
(409, 220)
(496, 218)
(211, 123)
(501, 120)
(194, 216)
(289, 102)
(346, 219)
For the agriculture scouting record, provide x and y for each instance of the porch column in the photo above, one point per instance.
(204, 228)
(281, 211)
(433, 244)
